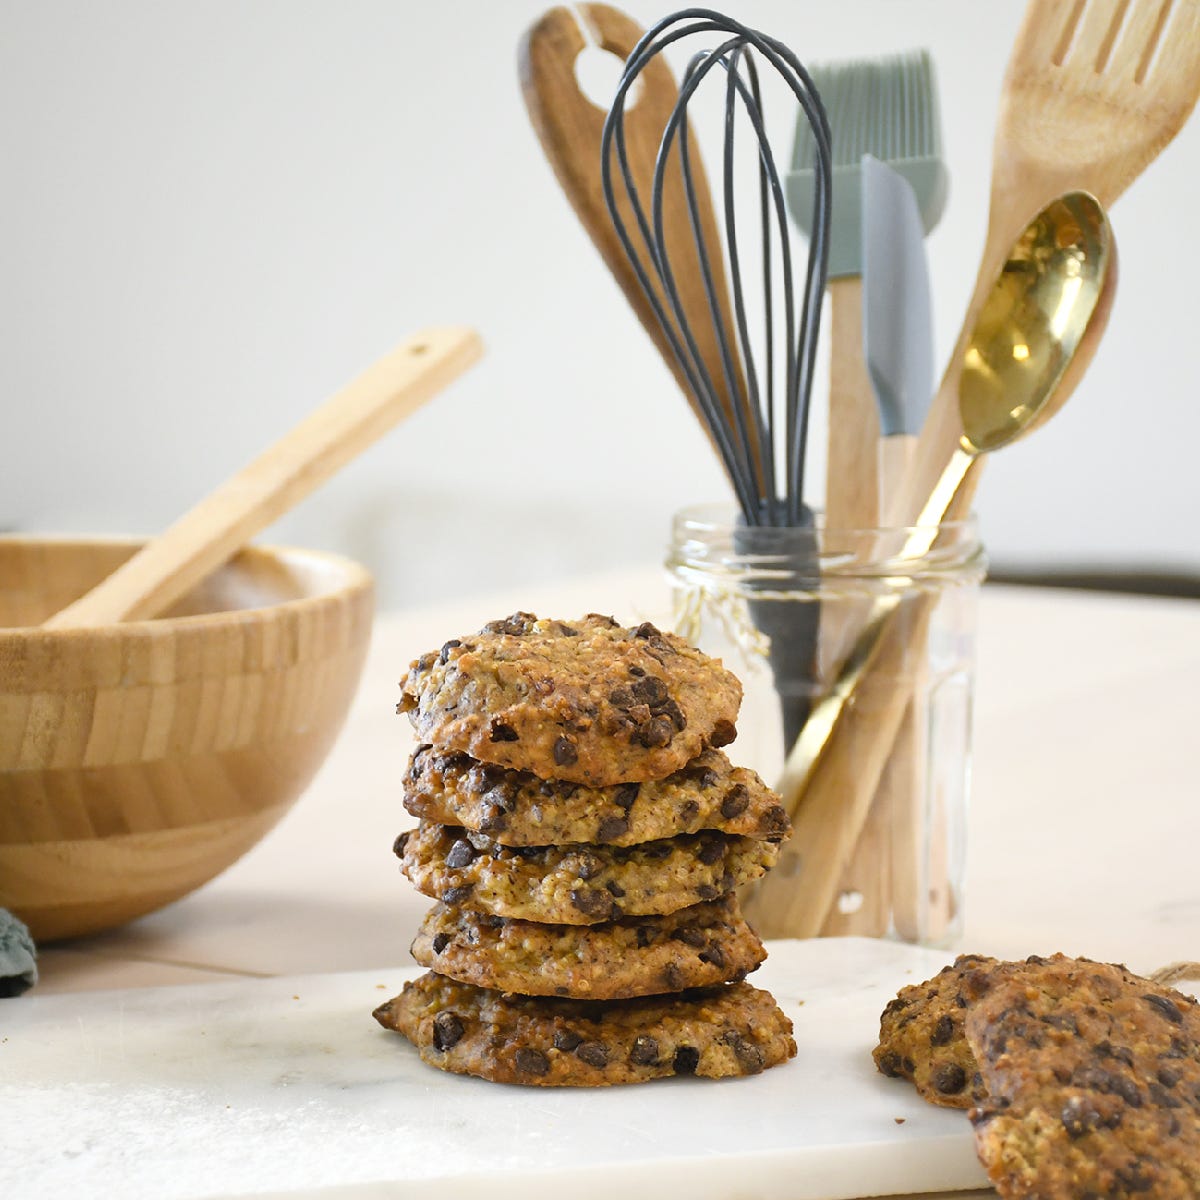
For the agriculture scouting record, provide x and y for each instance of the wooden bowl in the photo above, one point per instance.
(137, 761)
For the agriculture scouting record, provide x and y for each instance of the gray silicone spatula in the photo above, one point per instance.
(897, 316)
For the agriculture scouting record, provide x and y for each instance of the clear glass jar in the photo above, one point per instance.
(856, 652)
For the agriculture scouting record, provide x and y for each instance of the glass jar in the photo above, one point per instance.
(856, 650)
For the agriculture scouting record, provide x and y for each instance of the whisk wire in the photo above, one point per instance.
(744, 423)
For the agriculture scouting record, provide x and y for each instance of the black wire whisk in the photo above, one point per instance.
(761, 431)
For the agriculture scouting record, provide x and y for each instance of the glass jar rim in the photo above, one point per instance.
(711, 539)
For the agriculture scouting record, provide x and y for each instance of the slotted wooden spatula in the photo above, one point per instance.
(570, 126)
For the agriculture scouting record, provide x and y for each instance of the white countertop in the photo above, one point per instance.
(1083, 829)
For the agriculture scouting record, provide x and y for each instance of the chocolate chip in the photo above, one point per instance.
(643, 937)
(493, 819)
(774, 823)
(714, 955)
(1162, 1097)
(566, 1040)
(532, 1062)
(1064, 1021)
(736, 801)
(658, 731)
(706, 891)
(1132, 1178)
(889, 1064)
(440, 942)
(1079, 1116)
(515, 625)
(503, 733)
(673, 713)
(1169, 1076)
(400, 842)
(447, 1030)
(595, 1054)
(1106, 1049)
(588, 866)
(622, 697)
(749, 1056)
(455, 895)
(674, 978)
(690, 937)
(943, 1031)
(646, 630)
(1165, 1006)
(650, 690)
(711, 851)
(625, 795)
(444, 656)
(723, 733)
(565, 754)
(614, 889)
(592, 903)
(948, 1078)
(644, 1051)
(636, 671)
(689, 812)
(612, 828)
(687, 1059)
(461, 854)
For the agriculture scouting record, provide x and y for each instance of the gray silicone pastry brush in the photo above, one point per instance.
(887, 108)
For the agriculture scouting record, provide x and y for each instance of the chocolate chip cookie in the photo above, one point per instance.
(921, 1035)
(586, 701)
(731, 1030)
(639, 956)
(1092, 1081)
(578, 885)
(516, 808)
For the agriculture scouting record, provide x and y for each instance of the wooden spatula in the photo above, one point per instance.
(569, 127)
(221, 524)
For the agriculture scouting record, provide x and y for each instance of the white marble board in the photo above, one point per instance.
(288, 1085)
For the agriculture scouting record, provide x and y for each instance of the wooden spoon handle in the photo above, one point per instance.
(222, 523)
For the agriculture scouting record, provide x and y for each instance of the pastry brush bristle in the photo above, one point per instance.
(886, 107)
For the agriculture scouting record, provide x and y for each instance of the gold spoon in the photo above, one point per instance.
(1027, 351)
(1035, 336)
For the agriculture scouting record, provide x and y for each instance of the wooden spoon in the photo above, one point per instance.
(221, 524)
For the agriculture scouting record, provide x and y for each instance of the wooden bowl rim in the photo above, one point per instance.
(354, 581)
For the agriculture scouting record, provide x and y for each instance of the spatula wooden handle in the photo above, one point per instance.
(221, 524)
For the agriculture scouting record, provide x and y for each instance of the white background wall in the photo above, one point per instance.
(213, 214)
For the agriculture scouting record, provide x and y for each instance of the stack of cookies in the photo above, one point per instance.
(584, 836)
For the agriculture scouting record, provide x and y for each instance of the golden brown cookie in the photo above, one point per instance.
(730, 1030)
(1092, 1077)
(586, 701)
(516, 808)
(578, 885)
(921, 1034)
(639, 956)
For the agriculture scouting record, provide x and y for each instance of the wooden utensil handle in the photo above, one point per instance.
(795, 899)
(852, 481)
(221, 524)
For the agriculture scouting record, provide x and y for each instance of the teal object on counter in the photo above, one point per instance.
(18, 956)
